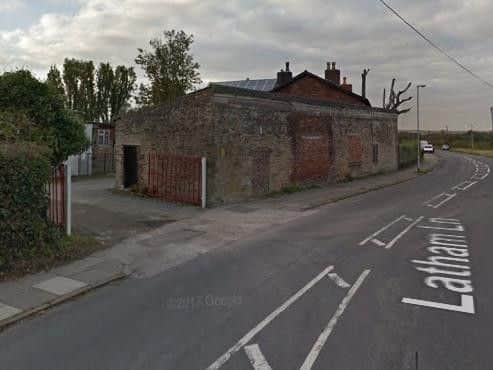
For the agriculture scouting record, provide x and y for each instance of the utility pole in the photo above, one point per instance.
(417, 126)
(491, 111)
(472, 136)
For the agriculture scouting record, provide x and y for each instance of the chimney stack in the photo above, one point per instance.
(346, 86)
(363, 82)
(283, 77)
(332, 74)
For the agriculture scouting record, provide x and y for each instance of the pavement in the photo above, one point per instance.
(148, 237)
(292, 282)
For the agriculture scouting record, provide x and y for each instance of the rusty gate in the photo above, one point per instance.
(174, 178)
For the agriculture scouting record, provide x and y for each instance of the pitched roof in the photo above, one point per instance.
(230, 90)
(324, 81)
(266, 84)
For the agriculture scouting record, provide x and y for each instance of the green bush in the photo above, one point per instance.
(25, 231)
(407, 153)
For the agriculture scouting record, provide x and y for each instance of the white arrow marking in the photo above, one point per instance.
(261, 325)
(256, 357)
(319, 344)
(381, 230)
(338, 280)
(378, 242)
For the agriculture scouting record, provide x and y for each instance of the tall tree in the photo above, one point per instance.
(121, 92)
(169, 67)
(78, 76)
(114, 90)
(105, 80)
(54, 80)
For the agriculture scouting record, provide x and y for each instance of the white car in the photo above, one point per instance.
(428, 148)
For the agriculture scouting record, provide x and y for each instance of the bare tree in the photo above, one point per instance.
(396, 99)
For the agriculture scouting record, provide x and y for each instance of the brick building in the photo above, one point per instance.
(260, 136)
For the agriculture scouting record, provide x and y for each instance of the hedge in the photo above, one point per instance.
(407, 153)
(25, 231)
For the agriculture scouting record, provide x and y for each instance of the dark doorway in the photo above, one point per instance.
(130, 174)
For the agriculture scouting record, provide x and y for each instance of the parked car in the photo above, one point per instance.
(428, 148)
(445, 147)
(422, 144)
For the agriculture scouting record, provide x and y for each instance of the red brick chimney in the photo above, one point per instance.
(284, 76)
(346, 86)
(332, 74)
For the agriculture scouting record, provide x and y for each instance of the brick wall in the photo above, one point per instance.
(312, 87)
(260, 144)
(183, 128)
(311, 148)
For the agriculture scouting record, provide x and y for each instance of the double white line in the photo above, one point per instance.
(442, 197)
(253, 351)
(391, 243)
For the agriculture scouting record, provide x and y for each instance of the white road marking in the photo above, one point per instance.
(445, 200)
(401, 234)
(435, 197)
(464, 185)
(466, 306)
(319, 344)
(381, 230)
(256, 357)
(340, 282)
(378, 242)
(261, 325)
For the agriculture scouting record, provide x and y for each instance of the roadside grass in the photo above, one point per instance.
(71, 248)
(482, 152)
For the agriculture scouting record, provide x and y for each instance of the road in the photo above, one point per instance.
(378, 281)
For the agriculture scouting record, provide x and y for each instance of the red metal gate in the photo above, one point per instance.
(56, 189)
(174, 178)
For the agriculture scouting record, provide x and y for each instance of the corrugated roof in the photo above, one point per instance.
(266, 84)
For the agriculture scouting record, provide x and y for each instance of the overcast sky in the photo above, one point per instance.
(235, 39)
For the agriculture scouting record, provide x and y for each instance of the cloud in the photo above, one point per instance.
(252, 38)
(11, 5)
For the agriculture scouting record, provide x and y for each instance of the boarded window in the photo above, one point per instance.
(355, 149)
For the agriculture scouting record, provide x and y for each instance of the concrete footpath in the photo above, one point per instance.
(150, 253)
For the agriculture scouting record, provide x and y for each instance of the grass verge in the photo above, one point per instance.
(72, 248)
(482, 152)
